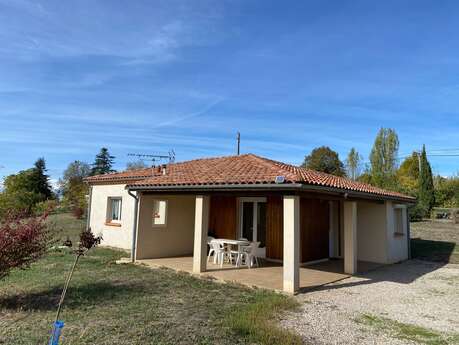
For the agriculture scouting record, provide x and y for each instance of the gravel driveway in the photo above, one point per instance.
(414, 292)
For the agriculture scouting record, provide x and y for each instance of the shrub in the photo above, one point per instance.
(78, 212)
(46, 206)
(23, 240)
(417, 213)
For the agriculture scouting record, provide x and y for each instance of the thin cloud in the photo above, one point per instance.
(190, 116)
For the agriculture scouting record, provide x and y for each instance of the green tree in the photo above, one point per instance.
(18, 193)
(408, 175)
(40, 180)
(426, 194)
(325, 160)
(22, 191)
(446, 191)
(73, 187)
(354, 164)
(103, 163)
(140, 164)
(383, 158)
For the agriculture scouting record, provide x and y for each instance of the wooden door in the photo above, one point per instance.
(314, 227)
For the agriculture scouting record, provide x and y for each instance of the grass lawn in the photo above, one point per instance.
(404, 331)
(129, 304)
(65, 225)
(435, 241)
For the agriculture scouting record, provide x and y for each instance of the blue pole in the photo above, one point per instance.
(57, 329)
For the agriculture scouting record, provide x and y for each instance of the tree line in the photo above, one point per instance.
(413, 176)
(29, 191)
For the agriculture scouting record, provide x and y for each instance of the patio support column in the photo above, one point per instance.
(291, 243)
(201, 225)
(350, 237)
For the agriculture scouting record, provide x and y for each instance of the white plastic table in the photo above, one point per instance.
(231, 242)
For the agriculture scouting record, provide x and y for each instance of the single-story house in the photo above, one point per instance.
(298, 215)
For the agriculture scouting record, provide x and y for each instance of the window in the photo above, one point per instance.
(399, 228)
(114, 210)
(159, 213)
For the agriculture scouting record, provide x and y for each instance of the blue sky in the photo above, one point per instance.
(149, 76)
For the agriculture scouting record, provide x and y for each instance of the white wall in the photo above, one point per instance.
(174, 239)
(371, 232)
(119, 237)
(397, 249)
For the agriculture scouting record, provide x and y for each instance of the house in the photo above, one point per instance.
(298, 215)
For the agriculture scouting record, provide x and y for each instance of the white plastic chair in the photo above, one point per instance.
(249, 254)
(217, 250)
(237, 253)
(210, 239)
(211, 251)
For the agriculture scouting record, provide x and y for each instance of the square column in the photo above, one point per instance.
(350, 237)
(201, 227)
(291, 244)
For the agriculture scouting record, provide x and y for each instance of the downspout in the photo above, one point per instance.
(88, 215)
(134, 227)
(408, 232)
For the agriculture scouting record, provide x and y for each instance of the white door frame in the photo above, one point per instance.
(255, 201)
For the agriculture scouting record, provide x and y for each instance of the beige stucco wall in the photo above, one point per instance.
(174, 239)
(376, 241)
(371, 232)
(397, 249)
(119, 237)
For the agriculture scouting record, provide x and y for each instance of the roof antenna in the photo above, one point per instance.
(170, 157)
(238, 143)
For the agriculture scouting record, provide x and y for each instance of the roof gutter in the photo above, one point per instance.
(266, 187)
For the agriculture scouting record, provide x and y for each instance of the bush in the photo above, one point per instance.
(46, 206)
(23, 240)
(417, 213)
(78, 212)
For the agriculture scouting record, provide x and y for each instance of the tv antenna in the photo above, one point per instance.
(170, 157)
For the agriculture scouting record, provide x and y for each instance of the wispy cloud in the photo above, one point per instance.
(178, 120)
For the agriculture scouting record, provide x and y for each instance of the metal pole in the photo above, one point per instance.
(66, 286)
(238, 143)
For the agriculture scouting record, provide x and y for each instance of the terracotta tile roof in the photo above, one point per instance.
(243, 169)
(122, 177)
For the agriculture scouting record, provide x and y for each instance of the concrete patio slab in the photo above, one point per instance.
(267, 276)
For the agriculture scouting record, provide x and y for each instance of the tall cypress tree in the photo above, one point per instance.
(103, 163)
(426, 196)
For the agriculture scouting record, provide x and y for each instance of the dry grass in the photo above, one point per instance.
(405, 331)
(129, 304)
(435, 241)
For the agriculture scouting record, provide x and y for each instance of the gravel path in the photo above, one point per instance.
(415, 292)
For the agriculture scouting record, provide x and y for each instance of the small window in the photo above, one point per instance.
(398, 221)
(114, 210)
(159, 213)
